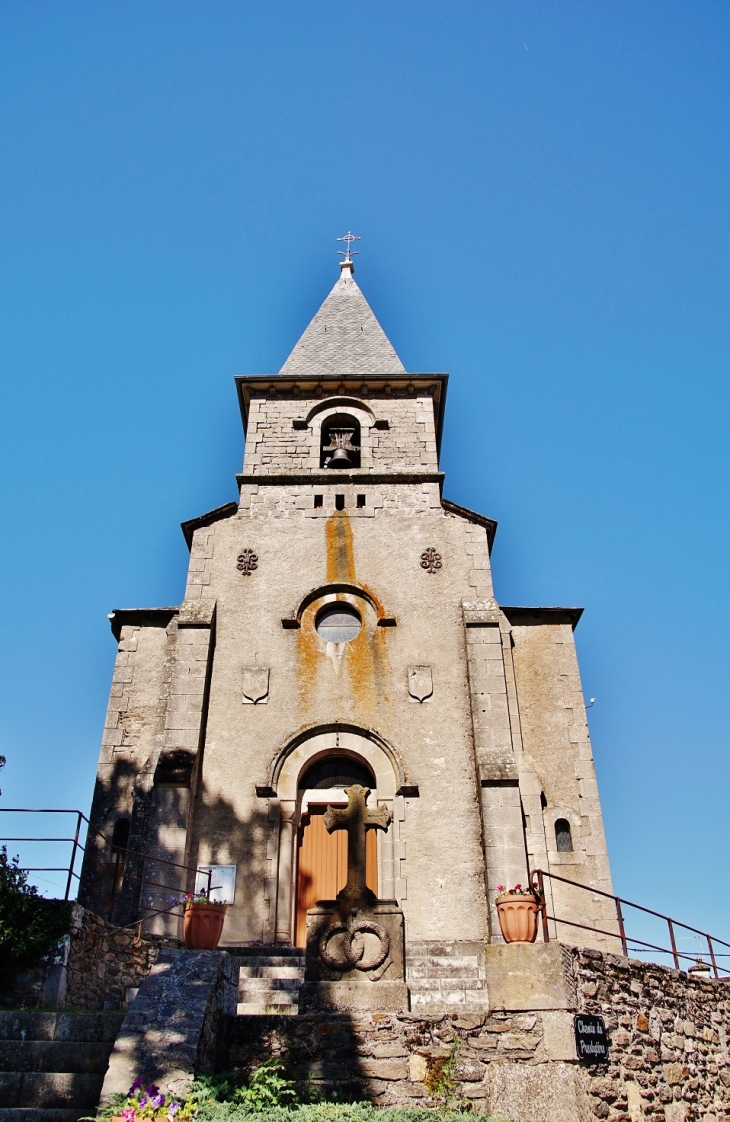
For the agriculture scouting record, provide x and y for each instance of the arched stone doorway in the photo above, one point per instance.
(307, 777)
(321, 862)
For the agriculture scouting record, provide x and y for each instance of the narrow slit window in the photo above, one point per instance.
(361, 501)
(563, 840)
(318, 501)
(120, 834)
(339, 502)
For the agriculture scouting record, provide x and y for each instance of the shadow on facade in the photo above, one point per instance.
(322, 1053)
(229, 839)
(124, 886)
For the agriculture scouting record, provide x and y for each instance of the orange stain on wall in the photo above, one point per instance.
(364, 671)
(338, 543)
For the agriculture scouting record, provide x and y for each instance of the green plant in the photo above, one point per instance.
(439, 1080)
(267, 1087)
(333, 1112)
(30, 925)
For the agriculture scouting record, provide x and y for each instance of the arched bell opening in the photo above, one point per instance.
(340, 442)
(321, 864)
(309, 776)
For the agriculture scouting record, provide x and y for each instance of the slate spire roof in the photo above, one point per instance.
(344, 337)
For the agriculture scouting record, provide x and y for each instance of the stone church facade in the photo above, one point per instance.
(340, 626)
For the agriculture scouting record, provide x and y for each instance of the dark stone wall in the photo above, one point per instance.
(669, 1031)
(103, 962)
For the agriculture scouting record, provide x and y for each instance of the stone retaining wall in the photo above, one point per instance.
(419, 1060)
(104, 963)
(669, 1058)
(172, 1027)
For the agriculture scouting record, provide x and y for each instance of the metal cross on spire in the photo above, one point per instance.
(348, 253)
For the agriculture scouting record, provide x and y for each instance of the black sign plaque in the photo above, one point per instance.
(591, 1041)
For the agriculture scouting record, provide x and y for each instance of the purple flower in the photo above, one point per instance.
(136, 1085)
(143, 1102)
(172, 1110)
(158, 1102)
(153, 1090)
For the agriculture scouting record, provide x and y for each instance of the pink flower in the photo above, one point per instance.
(129, 1114)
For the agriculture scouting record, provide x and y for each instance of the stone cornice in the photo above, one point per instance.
(526, 617)
(323, 478)
(140, 617)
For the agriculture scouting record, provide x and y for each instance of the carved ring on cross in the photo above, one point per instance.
(352, 948)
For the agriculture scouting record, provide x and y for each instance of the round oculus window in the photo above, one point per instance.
(338, 623)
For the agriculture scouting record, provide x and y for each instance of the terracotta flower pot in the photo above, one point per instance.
(518, 918)
(202, 926)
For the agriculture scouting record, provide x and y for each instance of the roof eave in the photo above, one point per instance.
(188, 528)
(471, 516)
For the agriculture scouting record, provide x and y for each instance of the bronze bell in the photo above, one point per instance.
(339, 459)
(340, 445)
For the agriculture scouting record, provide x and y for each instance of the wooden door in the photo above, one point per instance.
(322, 865)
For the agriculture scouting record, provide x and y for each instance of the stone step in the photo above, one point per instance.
(275, 961)
(416, 974)
(267, 997)
(250, 1009)
(270, 983)
(55, 1090)
(266, 950)
(268, 971)
(54, 1055)
(91, 1027)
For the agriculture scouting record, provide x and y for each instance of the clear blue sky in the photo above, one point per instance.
(542, 194)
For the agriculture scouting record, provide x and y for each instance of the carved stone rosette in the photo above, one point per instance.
(431, 560)
(247, 562)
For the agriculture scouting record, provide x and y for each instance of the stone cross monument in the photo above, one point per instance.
(356, 939)
(357, 820)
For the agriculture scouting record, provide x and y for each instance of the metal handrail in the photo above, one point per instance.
(117, 850)
(537, 882)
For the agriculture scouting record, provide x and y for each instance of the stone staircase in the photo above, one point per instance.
(52, 1065)
(448, 975)
(269, 980)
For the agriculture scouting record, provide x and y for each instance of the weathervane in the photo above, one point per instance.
(348, 254)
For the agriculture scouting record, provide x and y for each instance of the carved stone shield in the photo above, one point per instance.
(420, 682)
(255, 685)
